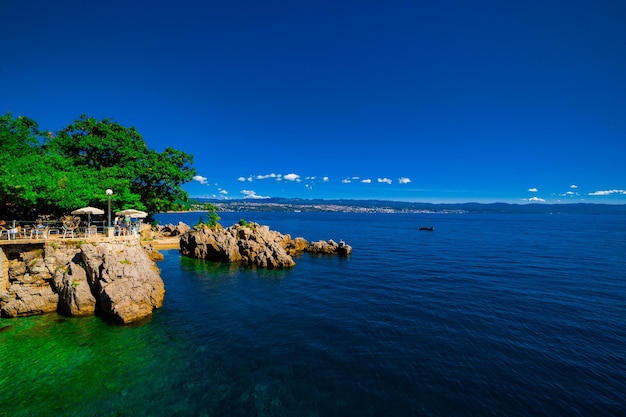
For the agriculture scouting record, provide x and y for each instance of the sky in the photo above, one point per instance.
(427, 101)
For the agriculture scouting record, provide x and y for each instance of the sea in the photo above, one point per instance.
(486, 315)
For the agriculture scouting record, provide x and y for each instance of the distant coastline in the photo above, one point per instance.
(383, 206)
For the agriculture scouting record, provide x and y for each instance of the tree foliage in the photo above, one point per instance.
(212, 218)
(45, 173)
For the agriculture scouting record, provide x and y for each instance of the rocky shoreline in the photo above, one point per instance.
(118, 277)
(113, 277)
(253, 245)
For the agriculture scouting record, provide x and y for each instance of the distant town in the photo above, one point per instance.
(382, 206)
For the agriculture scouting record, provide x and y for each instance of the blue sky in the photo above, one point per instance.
(434, 101)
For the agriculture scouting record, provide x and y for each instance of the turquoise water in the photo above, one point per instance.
(497, 315)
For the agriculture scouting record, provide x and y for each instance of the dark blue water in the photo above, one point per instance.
(489, 315)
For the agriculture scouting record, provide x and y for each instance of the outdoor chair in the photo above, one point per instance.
(69, 227)
(39, 230)
(91, 230)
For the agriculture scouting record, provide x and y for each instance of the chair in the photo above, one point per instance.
(91, 230)
(69, 227)
(39, 230)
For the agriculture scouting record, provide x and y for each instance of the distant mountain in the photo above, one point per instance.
(347, 205)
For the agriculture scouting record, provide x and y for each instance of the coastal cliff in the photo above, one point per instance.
(252, 245)
(115, 278)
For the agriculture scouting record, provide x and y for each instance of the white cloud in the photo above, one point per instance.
(573, 186)
(536, 200)
(325, 179)
(251, 194)
(366, 181)
(532, 190)
(266, 176)
(346, 181)
(200, 179)
(387, 180)
(223, 192)
(292, 177)
(608, 192)
(404, 180)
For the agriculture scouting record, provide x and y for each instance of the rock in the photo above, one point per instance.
(114, 278)
(253, 245)
(296, 246)
(28, 291)
(344, 249)
(250, 244)
(171, 230)
(153, 252)
(75, 296)
(329, 247)
(146, 232)
(125, 282)
(23, 300)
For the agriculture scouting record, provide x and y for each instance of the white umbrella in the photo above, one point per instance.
(132, 213)
(88, 211)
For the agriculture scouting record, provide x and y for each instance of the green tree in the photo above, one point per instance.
(41, 172)
(118, 158)
(212, 217)
(20, 164)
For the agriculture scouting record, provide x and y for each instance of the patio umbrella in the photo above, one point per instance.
(88, 211)
(132, 213)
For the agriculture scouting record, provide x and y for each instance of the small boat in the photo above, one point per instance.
(429, 228)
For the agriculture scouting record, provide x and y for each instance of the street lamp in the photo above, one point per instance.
(109, 193)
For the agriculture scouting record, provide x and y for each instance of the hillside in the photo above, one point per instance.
(382, 206)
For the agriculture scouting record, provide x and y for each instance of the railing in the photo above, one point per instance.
(25, 229)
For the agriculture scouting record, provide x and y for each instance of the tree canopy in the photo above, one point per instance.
(46, 173)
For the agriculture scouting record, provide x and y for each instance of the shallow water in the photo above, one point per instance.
(503, 315)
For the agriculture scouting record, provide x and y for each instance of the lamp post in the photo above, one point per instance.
(109, 193)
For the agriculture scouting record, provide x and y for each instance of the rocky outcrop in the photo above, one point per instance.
(114, 278)
(250, 244)
(329, 247)
(253, 245)
(296, 246)
(173, 230)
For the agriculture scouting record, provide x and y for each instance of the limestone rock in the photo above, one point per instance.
(253, 245)
(146, 231)
(75, 296)
(115, 278)
(177, 230)
(250, 244)
(26, 300)
(329, 247)
(296, 246)
(28, 291)
(125, 282)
